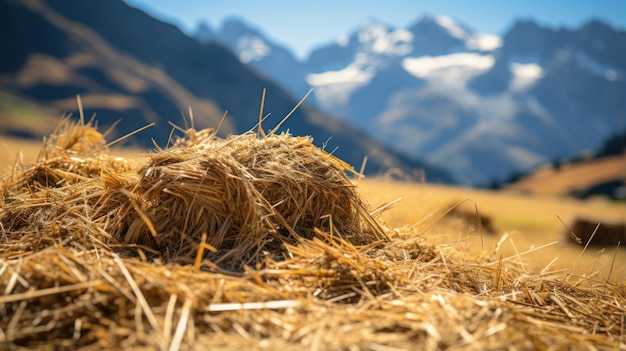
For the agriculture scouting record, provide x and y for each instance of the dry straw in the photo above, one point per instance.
(255, 241)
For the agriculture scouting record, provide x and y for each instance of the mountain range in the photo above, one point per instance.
(128, 65)
(481, 106)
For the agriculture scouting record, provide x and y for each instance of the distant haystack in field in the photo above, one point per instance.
(478, 221)
(597, 233)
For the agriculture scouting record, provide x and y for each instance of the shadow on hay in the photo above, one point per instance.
(232, 201)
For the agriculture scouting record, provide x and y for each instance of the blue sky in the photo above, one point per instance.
(302, 25)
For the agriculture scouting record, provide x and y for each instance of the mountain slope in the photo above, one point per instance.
(125, 64)
(53, 59)
(591, 177)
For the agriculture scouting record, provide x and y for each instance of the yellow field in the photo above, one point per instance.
(528, 222)
(13, 149)
(525, 223)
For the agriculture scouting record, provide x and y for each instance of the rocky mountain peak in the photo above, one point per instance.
(204, 33)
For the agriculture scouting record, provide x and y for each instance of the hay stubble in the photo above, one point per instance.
(255, 242)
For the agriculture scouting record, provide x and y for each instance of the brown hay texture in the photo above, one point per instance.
(256, 242)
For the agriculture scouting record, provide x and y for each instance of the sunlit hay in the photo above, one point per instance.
(64, 170)
(73, 138)
(197, 139)
(181, 195)
(43, 203)
(39, 211)
(53, 201)
(34, 221)
(304, 185)
(240, 192)
(73, 153)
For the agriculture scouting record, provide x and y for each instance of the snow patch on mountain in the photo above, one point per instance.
(397, 43)
(524, 75)
(371, 31)
(350, 74)
(483, 42)
(252, 48)
(451, 26)
(334, 87)
(453, 68)
(374, 37)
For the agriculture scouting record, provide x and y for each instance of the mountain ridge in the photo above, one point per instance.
(483, 106)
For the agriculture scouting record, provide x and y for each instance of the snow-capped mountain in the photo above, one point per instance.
(253, 48)
(480, 105)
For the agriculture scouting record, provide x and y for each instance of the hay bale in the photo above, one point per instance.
(607, 234)
(181, 195)
(303, 184)
(246, 194)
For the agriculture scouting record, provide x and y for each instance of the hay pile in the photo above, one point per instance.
(239, 199)
(255, 243)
